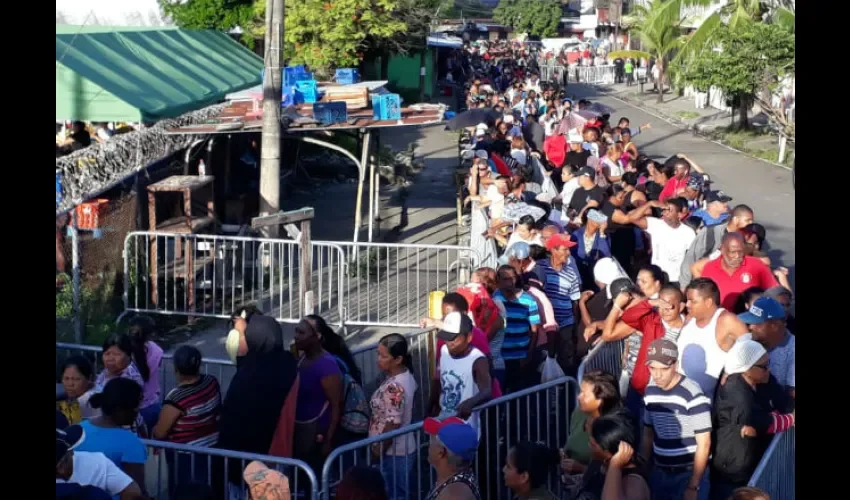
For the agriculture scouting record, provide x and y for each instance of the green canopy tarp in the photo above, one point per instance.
(146, 74)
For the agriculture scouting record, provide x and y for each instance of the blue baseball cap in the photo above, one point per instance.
(763, 309)
(455, 434)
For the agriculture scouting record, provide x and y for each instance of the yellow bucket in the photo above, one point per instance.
(435, 304)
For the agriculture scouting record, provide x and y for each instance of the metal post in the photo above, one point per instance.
(364, 157)
(75, 273)
(372, 194)
(272, 93)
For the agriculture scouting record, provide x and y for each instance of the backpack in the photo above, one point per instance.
(356, 411)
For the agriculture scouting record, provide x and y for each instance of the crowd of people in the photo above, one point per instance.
(598, 243)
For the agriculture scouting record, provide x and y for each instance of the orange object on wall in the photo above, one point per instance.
(90, 212)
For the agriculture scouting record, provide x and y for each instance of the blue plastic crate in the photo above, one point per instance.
(329, 113)
(386, 107)
(347, 76)
(287, 97)
(291, 74)
(306, 91)
(59, 196)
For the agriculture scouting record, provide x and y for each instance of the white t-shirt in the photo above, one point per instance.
(457, 382)
(614, 168)
(516, 238)
(570, 187)
(94, 469)
(669, 245)
(497, 199)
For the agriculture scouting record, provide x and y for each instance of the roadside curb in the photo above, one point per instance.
(697, 130)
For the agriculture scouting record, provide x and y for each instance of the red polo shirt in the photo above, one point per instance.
(753, 272)
(671, 187)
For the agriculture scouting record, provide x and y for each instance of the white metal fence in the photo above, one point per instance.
(599, 75)
(540, 414)
(373, 284)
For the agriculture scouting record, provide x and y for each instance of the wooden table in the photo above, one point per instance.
(183, 224)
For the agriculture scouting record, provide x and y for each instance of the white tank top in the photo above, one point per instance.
(700, 358)
(457, 382)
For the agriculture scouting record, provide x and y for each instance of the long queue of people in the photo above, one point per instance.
(614, 245)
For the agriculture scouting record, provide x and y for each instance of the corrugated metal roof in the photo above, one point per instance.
(240, 116)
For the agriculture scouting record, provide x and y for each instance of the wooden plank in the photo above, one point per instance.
(291, 217)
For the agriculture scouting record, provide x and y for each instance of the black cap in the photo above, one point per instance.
(720, 196)
(588, 172)
(621, 285)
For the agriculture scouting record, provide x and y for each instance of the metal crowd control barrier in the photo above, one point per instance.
(373, 284)
(552, 73)
(422, 349)
(592, 74)
(387, 285)
(210, 276)
(176, 464)
(775, 473)
(540, 414)
(605, 356)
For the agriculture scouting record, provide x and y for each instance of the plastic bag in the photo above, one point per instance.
(551, 370)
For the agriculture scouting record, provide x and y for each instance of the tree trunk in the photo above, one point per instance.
(743, 108)
(660, 83)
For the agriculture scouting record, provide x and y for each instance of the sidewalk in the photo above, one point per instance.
(709, 122)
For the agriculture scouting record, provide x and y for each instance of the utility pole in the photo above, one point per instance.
(272, 91)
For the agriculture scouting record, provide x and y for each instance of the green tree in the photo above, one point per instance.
(659, 29)
(535, 17)
(220, 15)
(326, 34)
(747, 61)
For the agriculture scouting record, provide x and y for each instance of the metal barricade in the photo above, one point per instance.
(540, 414)
(210, 276)
(552, 74)
(178, 464)
(605, 356)
(776, 473)
(387, 285)
(592, 74)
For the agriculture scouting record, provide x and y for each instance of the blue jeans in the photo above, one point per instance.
(669, 485)
(396, 472)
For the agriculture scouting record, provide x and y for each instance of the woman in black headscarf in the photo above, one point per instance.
(265, 377)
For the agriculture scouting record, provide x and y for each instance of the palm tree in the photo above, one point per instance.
(659, 28)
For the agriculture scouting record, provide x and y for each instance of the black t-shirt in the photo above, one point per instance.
(579, 159)
(622, 237)
(582, 196)
(599, 306)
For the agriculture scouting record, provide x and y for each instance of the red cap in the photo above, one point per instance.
(559, 240)
(432, 425)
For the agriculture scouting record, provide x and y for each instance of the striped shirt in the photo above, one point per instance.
(521, 313)
(200, 405)
(562, 287)
(676, 417)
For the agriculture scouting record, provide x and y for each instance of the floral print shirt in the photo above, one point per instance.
(392, 403)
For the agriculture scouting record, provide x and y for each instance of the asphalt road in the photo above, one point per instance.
(765, 187)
